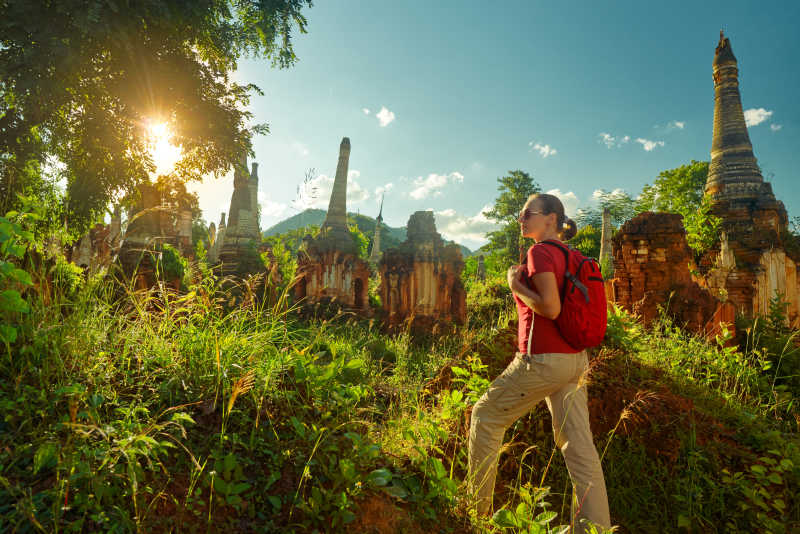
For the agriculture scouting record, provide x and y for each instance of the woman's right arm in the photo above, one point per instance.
(545, 299)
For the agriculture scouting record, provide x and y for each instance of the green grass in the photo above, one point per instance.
(159, 411)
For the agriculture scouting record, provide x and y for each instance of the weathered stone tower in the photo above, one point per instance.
(738, 191)
(238, 251)
(335, 225)
(750, 266)
(480, 269)
(219, 238)
(375, 254)
(328, 265)
(605, 244)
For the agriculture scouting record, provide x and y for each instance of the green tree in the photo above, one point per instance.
(587, 240)
(515, 188)
(681, 190)
(360, 239)
(80, 81)
(619, 203)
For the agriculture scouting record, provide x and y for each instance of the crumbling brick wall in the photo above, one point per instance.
(651, 269)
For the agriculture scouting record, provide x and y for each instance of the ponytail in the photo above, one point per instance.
(568, 230)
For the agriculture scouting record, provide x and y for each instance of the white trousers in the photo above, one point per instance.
(526, 381)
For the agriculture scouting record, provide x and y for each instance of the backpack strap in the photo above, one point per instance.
(565, 250)
(568, 276)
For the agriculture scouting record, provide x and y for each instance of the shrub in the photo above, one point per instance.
(587, 240)
(67, 276)
(487, 301)
(171, 264)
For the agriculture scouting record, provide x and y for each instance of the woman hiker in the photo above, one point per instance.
(549, 368)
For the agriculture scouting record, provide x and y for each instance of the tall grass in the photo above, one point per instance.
(216, 408)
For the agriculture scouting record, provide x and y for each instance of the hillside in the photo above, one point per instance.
(390, 237)
(187, 414)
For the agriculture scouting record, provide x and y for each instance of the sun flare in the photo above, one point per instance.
(165, 155)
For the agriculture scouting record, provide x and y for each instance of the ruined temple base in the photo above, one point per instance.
(333, 279)
(651, 267)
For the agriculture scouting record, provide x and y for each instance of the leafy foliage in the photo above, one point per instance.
(515, 188)
(67, 276)
(587, 240)
(170, 262)
(82, 81)
(161, 410)
(681, 190)
(360, 240)
(619, 204)
(14, 241)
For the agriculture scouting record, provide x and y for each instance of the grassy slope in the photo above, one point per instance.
(164, 412)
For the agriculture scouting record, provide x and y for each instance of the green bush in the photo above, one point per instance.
(171, 264)
(67, 276)
(770, 338)
(488, 301)
(587, 240)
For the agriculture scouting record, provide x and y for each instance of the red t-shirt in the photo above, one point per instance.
(542, 258)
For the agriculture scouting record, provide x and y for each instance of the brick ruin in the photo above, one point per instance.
(216, 239)
(651, 268)
(328, 265)
(480, 269)
(96, 249)
(421, 279)
(238, 245)
(375, 253)
(150, 224)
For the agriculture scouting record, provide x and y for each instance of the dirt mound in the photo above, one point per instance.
(647, 409)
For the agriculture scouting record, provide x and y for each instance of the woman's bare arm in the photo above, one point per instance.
(544, 299)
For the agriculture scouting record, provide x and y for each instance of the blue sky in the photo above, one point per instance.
(439, 99)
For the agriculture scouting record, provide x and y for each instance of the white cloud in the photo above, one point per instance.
(270, 208)
(775, 127)
(673, 125)
(384, 189)
(355, 193)
(598, 194)
(649, 145)
(365, 110)
(385, 116)
(468, 230)
(607, 138)
(321, 187)
(569, 200)
(544, 150)
(300, 148)
(755, 116)
(612, 141)
(425, 186)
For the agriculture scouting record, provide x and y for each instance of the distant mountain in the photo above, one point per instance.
(390, 237)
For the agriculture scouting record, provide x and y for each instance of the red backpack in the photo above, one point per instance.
(584, 313)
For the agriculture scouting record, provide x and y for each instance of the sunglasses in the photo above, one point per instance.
(527, 213)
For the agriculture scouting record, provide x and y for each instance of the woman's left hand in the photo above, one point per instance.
(513, 276)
